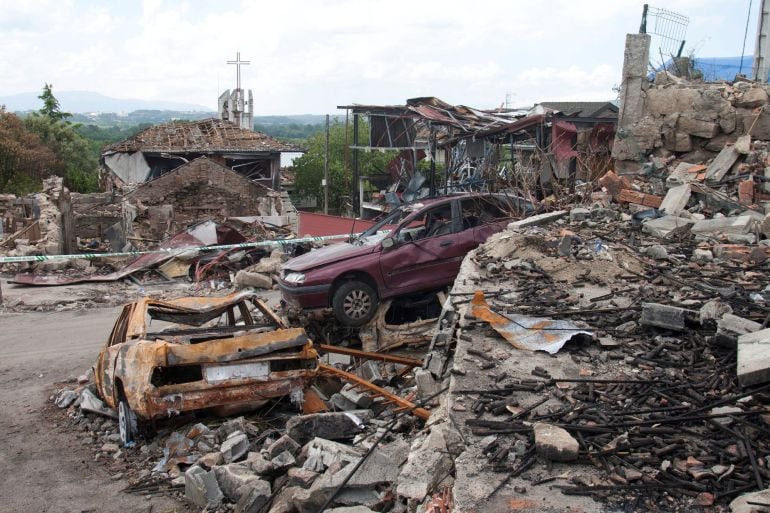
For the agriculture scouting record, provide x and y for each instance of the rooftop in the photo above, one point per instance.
(207, 135)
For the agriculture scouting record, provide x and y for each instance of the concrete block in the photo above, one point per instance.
(724, 225)
(663, 226)
(579, 214)
(283, 461)
(201, 488)
(331, 426)
(245, 279)
(665, 316)
(231, 478)
(253, 497)
(754, 358)
(721, 164)
(730, 327)
(235, 447)
(538, 220)
(359, 399)
(743, 144)
(676, 199)
(554, 443)
(285, 443)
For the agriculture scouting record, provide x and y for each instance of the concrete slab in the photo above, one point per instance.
(724, 225)
(721, 164)
(754, 358)
(676, 199)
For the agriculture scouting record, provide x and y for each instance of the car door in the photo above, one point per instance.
(426, 255)
(486, 215)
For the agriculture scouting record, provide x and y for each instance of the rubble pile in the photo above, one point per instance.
(658, 399)
(274, 460)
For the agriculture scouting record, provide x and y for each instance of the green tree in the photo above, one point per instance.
(75, 160)
(309, 168)
(74, 157)
(51, 108)
(24, 159)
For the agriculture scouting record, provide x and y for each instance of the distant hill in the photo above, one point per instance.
(89, 101)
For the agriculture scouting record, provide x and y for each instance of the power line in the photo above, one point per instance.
(745, 33)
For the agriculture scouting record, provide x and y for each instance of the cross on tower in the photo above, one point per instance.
(238, 63)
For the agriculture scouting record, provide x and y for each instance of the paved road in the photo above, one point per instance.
(44, 467)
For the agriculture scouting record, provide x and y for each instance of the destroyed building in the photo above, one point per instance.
(162, 148)
(198, 190)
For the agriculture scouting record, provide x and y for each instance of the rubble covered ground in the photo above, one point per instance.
(608, 354)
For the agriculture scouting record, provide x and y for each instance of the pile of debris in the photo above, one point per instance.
(278, 461)
(605, 355)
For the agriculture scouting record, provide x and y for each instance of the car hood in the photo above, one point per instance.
(327, 255)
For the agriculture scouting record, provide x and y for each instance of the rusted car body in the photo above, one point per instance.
(215, 354)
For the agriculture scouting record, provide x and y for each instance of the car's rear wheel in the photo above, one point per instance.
(355, 303)
(127, 424)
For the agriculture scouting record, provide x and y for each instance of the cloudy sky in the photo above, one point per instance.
(310, 56)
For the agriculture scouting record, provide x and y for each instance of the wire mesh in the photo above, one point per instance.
(668, 30)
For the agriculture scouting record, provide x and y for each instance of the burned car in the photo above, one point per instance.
(168, 357)
(416, 248)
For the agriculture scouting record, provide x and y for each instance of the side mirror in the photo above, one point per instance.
(388, 242)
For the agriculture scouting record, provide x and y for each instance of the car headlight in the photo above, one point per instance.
(295, 278)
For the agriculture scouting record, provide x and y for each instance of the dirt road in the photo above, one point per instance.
(44, 467)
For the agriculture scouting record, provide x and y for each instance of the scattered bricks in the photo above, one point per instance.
(579, 214)
(235, 447)
(724, 225)
(722, 164)
(662, 226)
(640, 198)
(253, 497)
(676, 199)
(665, 316)
(201, 488)
(285, 443)
(538, 220)
(746, 192)
(554, 443)
(754, 358)
(331, 426)
(231, 479)
(614, 183)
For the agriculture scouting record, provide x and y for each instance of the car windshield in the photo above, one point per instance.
(387, 224)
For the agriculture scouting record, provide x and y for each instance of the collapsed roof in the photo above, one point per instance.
(207, 135)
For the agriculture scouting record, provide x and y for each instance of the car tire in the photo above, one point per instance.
(355, 303)
(128, 424)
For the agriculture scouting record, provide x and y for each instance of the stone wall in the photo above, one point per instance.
(691, 120)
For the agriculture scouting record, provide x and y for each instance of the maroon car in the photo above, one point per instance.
(416, 248)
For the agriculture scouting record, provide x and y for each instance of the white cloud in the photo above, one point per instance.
(309, 56)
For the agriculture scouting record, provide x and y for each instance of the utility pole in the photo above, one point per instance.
(762, 47)
(326, 169)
